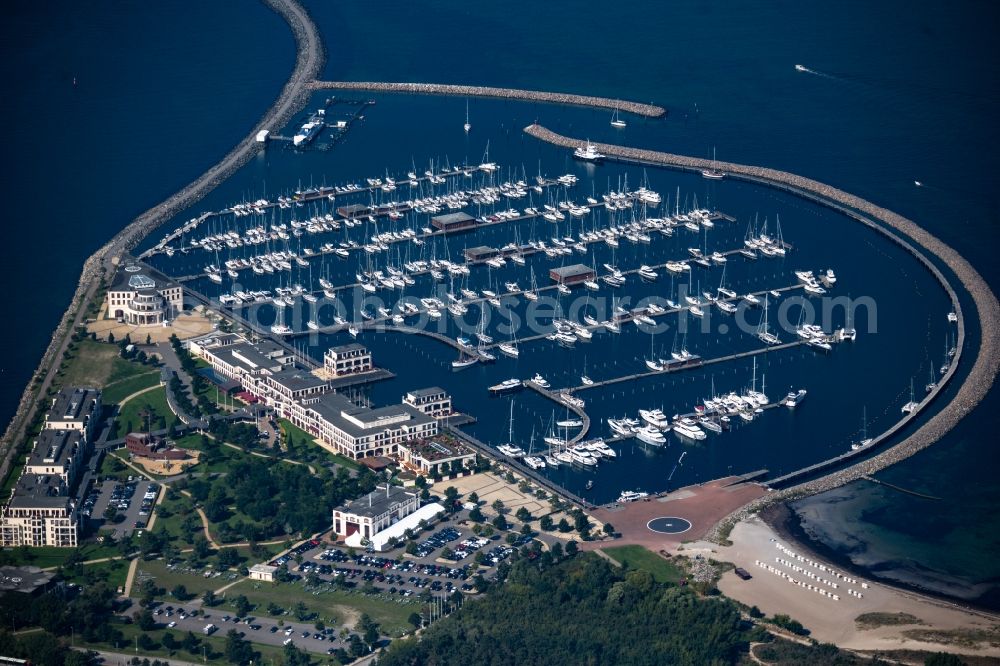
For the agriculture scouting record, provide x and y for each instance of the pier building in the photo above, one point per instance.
(433, 401)
(453, 222)
(142, 296)
(573, 274)
(350, 359)
(436, 456)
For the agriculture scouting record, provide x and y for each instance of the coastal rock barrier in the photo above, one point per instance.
(987, 362)
(309, 61)
(638, 108)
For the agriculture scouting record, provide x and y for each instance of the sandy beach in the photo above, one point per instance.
(781, 585)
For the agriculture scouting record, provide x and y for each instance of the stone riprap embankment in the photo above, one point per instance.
(293, 97)
(638, 108)
(987, 361)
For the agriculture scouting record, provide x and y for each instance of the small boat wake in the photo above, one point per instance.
(806, 70)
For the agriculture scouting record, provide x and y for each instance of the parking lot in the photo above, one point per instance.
(408, 575)
(256, 629)
(133, 500)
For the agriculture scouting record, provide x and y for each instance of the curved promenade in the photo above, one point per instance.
(987, 362)
(309, 60)
(638, 108)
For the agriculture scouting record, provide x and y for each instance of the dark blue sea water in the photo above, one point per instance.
(902, 92)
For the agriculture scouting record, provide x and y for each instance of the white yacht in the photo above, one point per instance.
(632, 495)
(650, 435)
(588, 153)
(538, 380)
(655, 418)
(794, 399)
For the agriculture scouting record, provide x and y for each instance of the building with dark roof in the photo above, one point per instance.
(142, 296)
(353, 210)
(24, 580)
(572, 274)
(39, 513)
(451, 222)
(433, 401)
(290, 384)
(349, 359)
(356, 431)
(59, 452)
(146, 445)
(374, 512)
(480, 253)
(437, 455)
(75, 408)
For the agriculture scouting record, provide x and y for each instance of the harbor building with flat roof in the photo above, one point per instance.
(440, 455)
(142, 296)
(480, 253)
(355, 431)
(572, 274)
(349, 359)
(433, 401)
(451, 222)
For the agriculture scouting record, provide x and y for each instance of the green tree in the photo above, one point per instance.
(144, 620)
(609, 529)
(415, 620)
(238, 650)
(242, 605)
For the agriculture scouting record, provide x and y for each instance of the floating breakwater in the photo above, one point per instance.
(987, 362)
(638, 108)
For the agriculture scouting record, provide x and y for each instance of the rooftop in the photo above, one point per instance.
(433, 450)
(39, 490)
(296, 379)
(23, 579)
(358, 421)
(134, 277)
(349, 347)
(55, 447)
(74, 404)
(426, 392)
(571, 270)
(382, 499)
(452, 218)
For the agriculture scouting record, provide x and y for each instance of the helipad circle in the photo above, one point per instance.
(669, 525)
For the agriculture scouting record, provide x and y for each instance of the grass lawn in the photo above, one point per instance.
(48, 556)
(155, 401)
(98, 364)
(303, 449)
(116, 392)
(90, 364)
(331, 605)
(640, 557)
(113, 572)
(215, 644)
(192, 579)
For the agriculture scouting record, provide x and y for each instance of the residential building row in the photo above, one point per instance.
(269, 373)
(41, 510)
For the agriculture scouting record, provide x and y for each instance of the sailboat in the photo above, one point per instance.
(616, 121)
(467, 126)
(585, 378)
(865, 439)
(713, 173)
(912, 405)
(652, 362)
(763, 333)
